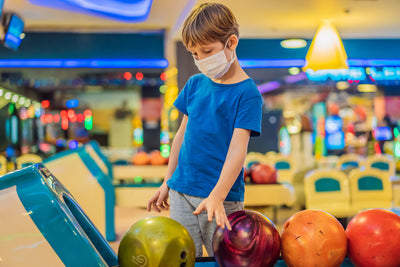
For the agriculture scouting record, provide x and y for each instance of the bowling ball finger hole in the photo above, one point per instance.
(183, 255)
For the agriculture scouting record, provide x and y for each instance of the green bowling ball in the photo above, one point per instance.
(157, 242)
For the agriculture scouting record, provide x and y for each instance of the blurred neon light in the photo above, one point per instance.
(139, 76)
(397, 149)
(84, 63)
(88, 123)
(72, 103)
(288, 63)
(356, 74)
(271, 63)
(73, 144)
(45, 103)
(163, 63)
(295, 78)
(87, 113)
(56, 118)
(373, 62)
(269, 86)
(64, 123)
(336, 75)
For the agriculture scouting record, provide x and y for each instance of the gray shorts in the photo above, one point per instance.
(182, 207)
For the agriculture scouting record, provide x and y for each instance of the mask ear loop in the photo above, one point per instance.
(233, 52)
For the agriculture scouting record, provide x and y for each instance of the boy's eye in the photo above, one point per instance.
(207, 51)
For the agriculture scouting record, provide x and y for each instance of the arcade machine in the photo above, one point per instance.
(45, 225)
(12, 132)
(319, 114)
(3, 141)
(334, 135)
(396, 146)
(382, 135)
(285, 145)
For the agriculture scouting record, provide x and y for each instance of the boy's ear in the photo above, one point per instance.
(233, 42)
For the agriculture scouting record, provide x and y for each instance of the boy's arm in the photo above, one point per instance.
(159, 199)
(234, 161)
(175, 148)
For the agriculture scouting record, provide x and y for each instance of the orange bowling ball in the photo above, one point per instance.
(156, 158)
(313, 238)
(141, 158)
(374, 238)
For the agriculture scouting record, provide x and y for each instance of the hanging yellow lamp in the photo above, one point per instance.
(326, 51)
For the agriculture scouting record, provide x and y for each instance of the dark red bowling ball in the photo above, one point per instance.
(263, 174)
(253, 241)
(374, 239)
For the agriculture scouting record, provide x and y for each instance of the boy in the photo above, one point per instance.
(222, 109)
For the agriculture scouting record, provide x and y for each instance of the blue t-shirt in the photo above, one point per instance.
(214, 110)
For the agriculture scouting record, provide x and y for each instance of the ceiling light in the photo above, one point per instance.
(294, 70)
(326, 50)
(293, 43)
(7, 95)
(367, 88)
(342, 85)
(367, 85)
(14, 98)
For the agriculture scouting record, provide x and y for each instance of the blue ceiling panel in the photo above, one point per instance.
(126, 10)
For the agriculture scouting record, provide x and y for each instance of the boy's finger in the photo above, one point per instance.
(218, 220)
(155, 207)
(163, 207)
(210, 214)
(198, 210)
(150, 203)
(228, 225)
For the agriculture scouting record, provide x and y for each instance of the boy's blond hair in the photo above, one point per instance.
(208, 23)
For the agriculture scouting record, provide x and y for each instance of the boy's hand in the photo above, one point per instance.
(214, 207)
(159, 200)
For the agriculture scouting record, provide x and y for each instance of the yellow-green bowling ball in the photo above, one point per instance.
(157, 242)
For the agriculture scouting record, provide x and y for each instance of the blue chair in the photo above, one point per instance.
(45, 226)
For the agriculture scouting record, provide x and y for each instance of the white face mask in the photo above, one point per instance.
(215, 66)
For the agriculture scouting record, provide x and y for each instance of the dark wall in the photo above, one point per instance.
(185, 65)
(87, 46)
(355, 49)
(271, 123)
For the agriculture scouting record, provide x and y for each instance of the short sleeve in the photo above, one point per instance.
(249, 114)
(181, 101)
